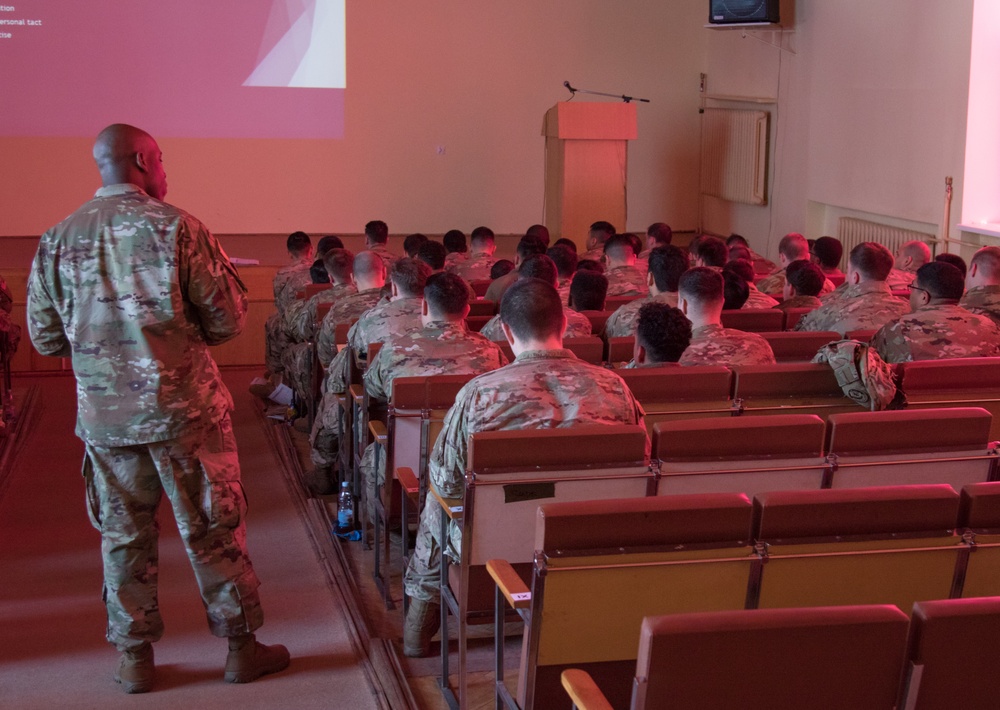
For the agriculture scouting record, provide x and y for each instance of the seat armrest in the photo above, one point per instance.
(379, 433)
(583, 691)
(453, 507)
(357, 393)
(510, 583)
(408, 480)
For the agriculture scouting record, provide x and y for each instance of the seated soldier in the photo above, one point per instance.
(300, 252)
(864, 301)
(938, 328)
(10, 332)
(565, 261)
(792, 247)
(910, 257)
(590, 265)
(662, 334)
(658, 234)
(599, 233)
(983, 282)
(456, 248)
(826, 253)
(398, 316)
(441, 346)
(760, 264)
(545, 387)
(301, 321)
(735, 291)
(666, 264)
(624, 279)
(434, 254)
(527, 247)
(541, 267)
(803, 282)
(377, 240)
(955, 260)
(540, 231)
(412, 243)
(744, 269)
(477, 266)
(588, 291)
(709, 251)
(501, 267)
(568, 243)
(701, 299)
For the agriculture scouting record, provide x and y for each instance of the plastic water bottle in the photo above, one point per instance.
(345, 510)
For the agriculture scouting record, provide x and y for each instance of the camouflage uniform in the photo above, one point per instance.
(475, 268)
(935, 333)
(714, 345)
(388, 258)
(439, 348)
(563, 288)
(761, 265)
(135, 290)
(539, 390)
(9, 331)
(757, 299)
(289, 279)
(621, 323)
(296, 320)
(344, 310)
(627, 281)
(800, 302)
(984, 300)
(774, 285)
(382, 321)
(577, 326)
(454, 258)
(595, 254)
(900, 279)
(499, 287)
(856, 307)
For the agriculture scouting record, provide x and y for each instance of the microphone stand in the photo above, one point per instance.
(623, 97)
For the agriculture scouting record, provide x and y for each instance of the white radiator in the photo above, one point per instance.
(852, 231)
(734, 154)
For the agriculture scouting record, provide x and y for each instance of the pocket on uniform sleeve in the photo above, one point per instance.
(227, 503)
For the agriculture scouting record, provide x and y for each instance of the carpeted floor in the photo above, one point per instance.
(52, 648)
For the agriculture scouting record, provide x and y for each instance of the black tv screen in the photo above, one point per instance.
(727, 12)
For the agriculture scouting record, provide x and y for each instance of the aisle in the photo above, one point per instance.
(52, 647)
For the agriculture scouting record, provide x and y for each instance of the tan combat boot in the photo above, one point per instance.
(422, 620)
(248, 659)
(136, 670)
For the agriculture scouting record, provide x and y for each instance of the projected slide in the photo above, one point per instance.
(177, 68)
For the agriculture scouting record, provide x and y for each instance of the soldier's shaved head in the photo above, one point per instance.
(987, 263)
(532, 309)
(339, 265)
(126, 154)
(447, 296)
(369, 271)
(912, 255)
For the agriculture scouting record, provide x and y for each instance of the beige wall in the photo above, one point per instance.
(871, 112)
(473, 77)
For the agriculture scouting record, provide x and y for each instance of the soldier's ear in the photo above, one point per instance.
(423, 307)
(638, 353)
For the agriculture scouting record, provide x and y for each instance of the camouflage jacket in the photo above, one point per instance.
(290, 279)
(301, 316)
(626, 281)
(563, 288)
(800, 302)
(577, 326)
(774, 285)
(475, 268)
(454, 258)
(758, 299)
(344, 310)
(439, 348)
(135, 290)
(860, 306)
(595, 254)
(498, 287)
(900, 279)
(397, 317)
(714, 345)
(541, 389)
(621, 324)
(984, 300)
(937, 332)
(388, 258)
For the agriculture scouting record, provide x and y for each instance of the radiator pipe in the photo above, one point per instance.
(946, 228)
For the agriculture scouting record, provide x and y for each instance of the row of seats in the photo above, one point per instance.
(837, 658)
(600, 566)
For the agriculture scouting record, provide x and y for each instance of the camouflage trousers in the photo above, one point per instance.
(276, 341)
(199, 473)
(325, 435)
(372, 477)
(297, 364)
(423, 574)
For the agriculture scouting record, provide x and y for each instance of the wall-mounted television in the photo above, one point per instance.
(742, 12)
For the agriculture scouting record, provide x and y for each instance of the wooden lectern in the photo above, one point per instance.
(585, 166)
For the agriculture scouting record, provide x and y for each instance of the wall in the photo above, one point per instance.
(473, 77)
(871, 113)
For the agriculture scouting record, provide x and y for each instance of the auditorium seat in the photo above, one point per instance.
(835, 658)
(597, 320)
(864, 335)
(482, 307)
(509, 474)
(613, 303)
(740, 454)
(962, 382)
(312, 289)
(798, 347)
(980, 521)
(891, 545)
(789, 388)
(602, 566)
(619, 350)
(754, 320)
(794, 315)
(480, 286)
(670, 393)
(900, 447)
(475, 323)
